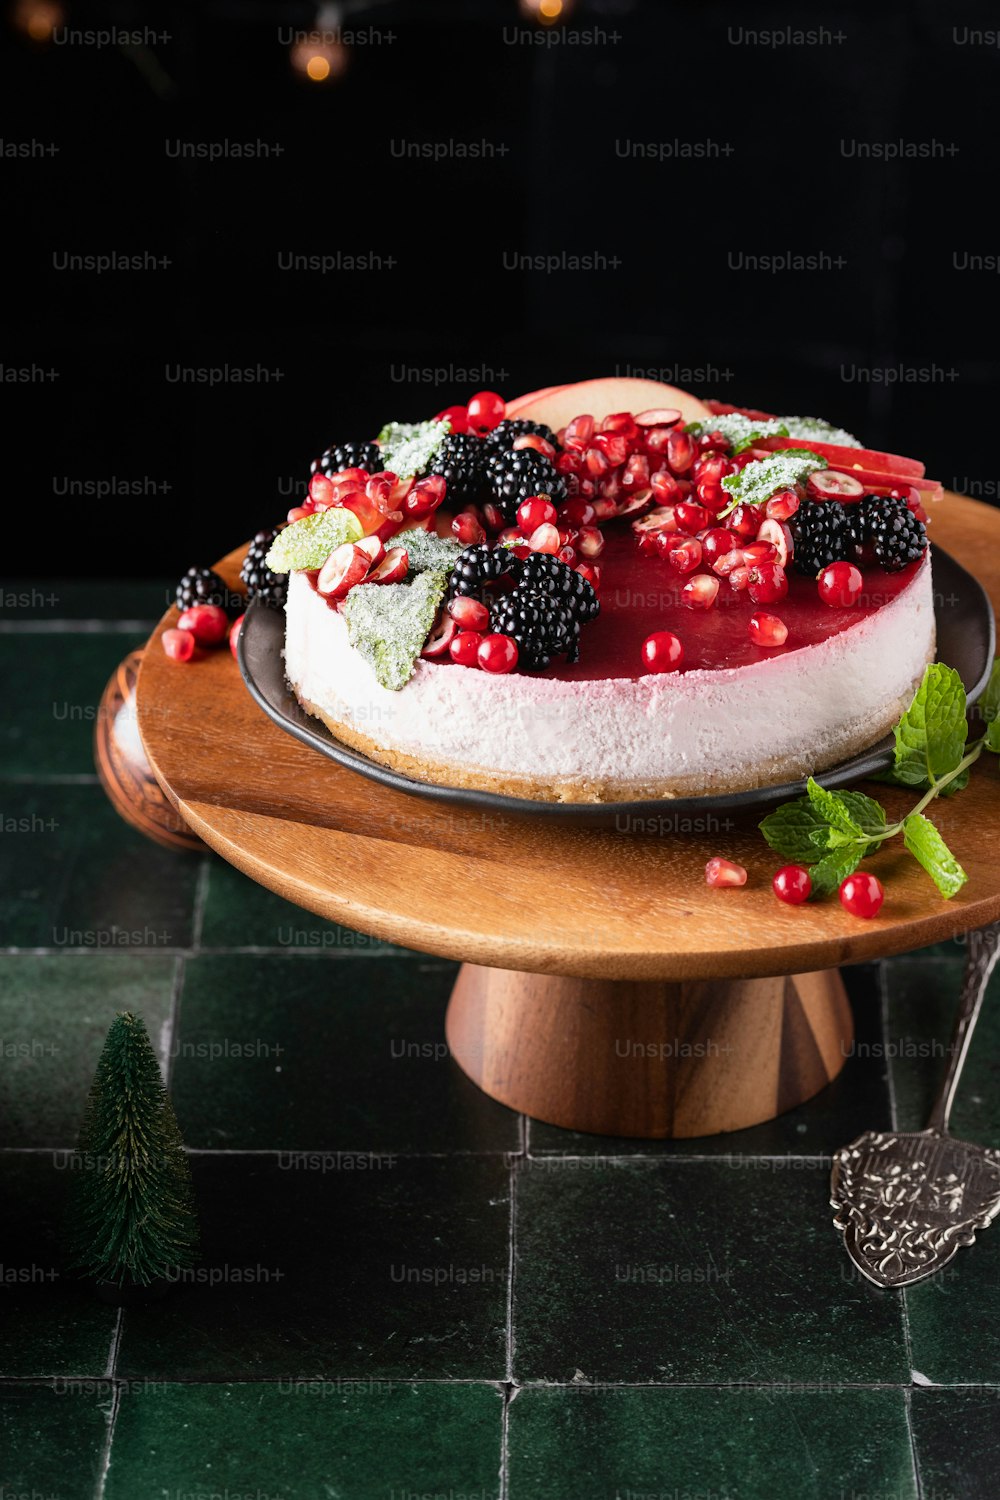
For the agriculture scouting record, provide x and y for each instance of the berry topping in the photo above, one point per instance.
(179, 645)
(392, 568)
(497, 653)
(662, 652)
(207, 623)
(340, 456)
(823, 533)
(464, 648)
(460, 461)
(722, 872)
(234, 633)
(203, 586)
(840, 585)
(862, 895)
(485, 411)
(793, 884)
(540, 626)
(443, 632)
(516, 475)
(830, 484)
(479, 565)
(270, 588)
(345, 567)
(700, 592)
(542, 574)
(767, 582)
(894, 532)
(468, 613)
(767, 630)
(507, 433)
(538, 511)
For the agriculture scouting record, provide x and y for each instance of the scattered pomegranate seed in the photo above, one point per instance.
(729, 562)
(665, 488)
(469, 613)
(840, 585)
(579, 432)
(467, 528)
(465, 647)
(792, 883)
(590, 541)
(493, 516)
(179, 644)
(443, 632)
(425, 496)
(700, 592)
(613, 446)
(693, 518)
(682, 552)
(207, 623)
(321, 489)
(663, 518)
(535, 512)
(680, 451)
(739, 578)
(717, 542)
(623, 423)
(722, 872)
(577, 512)
(536, 441)
(862, 895)
(767, 582)
(662, 652)
(745, 521)
(759, 552)
(780, 537)
(567, 555)
(636, 475)
(457, 416)
(485, 411)
(298, 512)
(767, 630)
(782, 505)
(497, 653)
(592, 575)
(234, 633)
(545, 539)
(597, 461)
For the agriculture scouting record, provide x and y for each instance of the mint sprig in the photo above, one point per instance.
(831, 832)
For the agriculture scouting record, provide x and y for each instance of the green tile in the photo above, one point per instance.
(51, 1440)
(56, 680)
(332, 1054)
(709, 1445)
(48, 599)
(957, 1438)
(955, 1317)
(74, 874)
(318, 1267)
(856, 1100)
(666, 1271)
(377, 1441)
(52, 1324)
(54, 1013)
(923, 1000)
(239, 913)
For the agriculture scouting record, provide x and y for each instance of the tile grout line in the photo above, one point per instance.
(116, 1394)
(509, 1392)
(904, 1310)
(200, 902)
(78, 627)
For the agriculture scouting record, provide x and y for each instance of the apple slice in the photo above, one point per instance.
(393, 567)
(602, 398)
(850, 458)
(723, 409)
(514, 407)
(345, 567)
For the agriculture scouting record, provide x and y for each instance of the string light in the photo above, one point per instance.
(321, 55)
(546, 12)
(38, 19)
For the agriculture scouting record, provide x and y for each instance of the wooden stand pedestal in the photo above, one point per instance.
(646, 1058)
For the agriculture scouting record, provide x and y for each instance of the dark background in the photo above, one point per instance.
(354, 348)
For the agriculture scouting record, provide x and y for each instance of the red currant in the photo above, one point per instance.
(179, 644)
(457, 416)
(840, 585)
(207, 623)
(662, 652)
(465, 648)
(792, 883)
(862, 895)
(468, 614)
(497, 653)
(234, 633)
(485, 411)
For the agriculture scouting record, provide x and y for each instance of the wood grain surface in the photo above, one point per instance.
(517, 894)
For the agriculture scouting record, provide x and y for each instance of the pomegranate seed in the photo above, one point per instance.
(793, 884)
(700, 592)
(207, 623)
(662, 652)
(758, 552)
(457, 416)
(711, 495)
(717, 542)
(579, 432)
(497, 653)
(782, 505)
(590, 541)
(509, 535)
(350, 478)
(711, 467)
(466, 528)
(321, 489)
(598, 462)
(767, 582)
(693, 518)
(469, 613)
(464, 648)
(636, 474)
(655, 440)
(713, 440)
(680, 451)
(537, 442)
(665, 488)
(493, 517)
(538, 511)
(728, 563)
(179, 644)
(663, 518)
(722, 872)
(682, 552)
(745, 521)
(862, 895)
(840, 585)
(567, 555)
(425, 496)
(234, 633)
(739, 578)
(443, 632)
(592, 575)
(829, 484)
(298, 512)
(658, 416)
(400, 489)
(485, 411)
(767, 630)
(780, 538)
(623, 423)
(609, 487)
(577, 513)
(545, 539)
(604, 509)
(613, 446)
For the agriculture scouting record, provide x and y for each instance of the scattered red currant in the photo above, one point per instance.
(840, 585)
(234, 633)
(179, 644)
(662, 652)
(497, 653)
(862, 895)
(485, 411)
(457, 416)
(207, 623)
(465, 648)
(721, 872)
(792, 883)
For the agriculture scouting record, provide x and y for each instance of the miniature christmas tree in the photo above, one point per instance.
(134, 1218)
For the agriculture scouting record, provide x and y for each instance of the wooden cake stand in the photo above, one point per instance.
(604, 986)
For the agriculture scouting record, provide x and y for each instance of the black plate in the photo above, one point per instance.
(966, 640)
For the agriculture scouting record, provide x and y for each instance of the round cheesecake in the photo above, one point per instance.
(739, 717)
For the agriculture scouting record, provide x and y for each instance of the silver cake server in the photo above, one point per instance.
(905, 1202)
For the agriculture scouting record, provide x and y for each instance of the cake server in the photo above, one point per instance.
(906, 1201)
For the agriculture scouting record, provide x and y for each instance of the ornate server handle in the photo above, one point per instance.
(984, 950)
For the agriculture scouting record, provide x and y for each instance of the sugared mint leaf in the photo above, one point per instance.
(764, 477)
(797, 831)
(988, 709)
(410, 447)
(926, 845)
(739, 431)
(814, 429)
(931, 735)
(836, 866)
(309, 542)
(426, 550)
(388, 623)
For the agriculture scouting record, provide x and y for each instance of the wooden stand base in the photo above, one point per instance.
(650, 1059)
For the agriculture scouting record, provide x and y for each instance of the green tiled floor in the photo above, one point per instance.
(405, 1289)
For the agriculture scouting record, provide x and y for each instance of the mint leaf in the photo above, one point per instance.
(739, 431)
(411, 447)
(308, 543)
(835, 867)
(764, 477)
(426, 550)
(931, 735)
(928, 847)
(833, 809)
(797, 831)
(816, 430)
(388, 623)
(988, 709)
(866, 813)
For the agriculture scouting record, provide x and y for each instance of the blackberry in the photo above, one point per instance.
(824, 531)
(514, 476)
(541, 627)
(480, 565)
(895, 535)
(202, 586)
(349, 456)
(506, 433)
(541, 573)
(270, 588)
(460, 461)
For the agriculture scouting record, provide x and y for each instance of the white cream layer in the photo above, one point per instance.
(710, 724)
